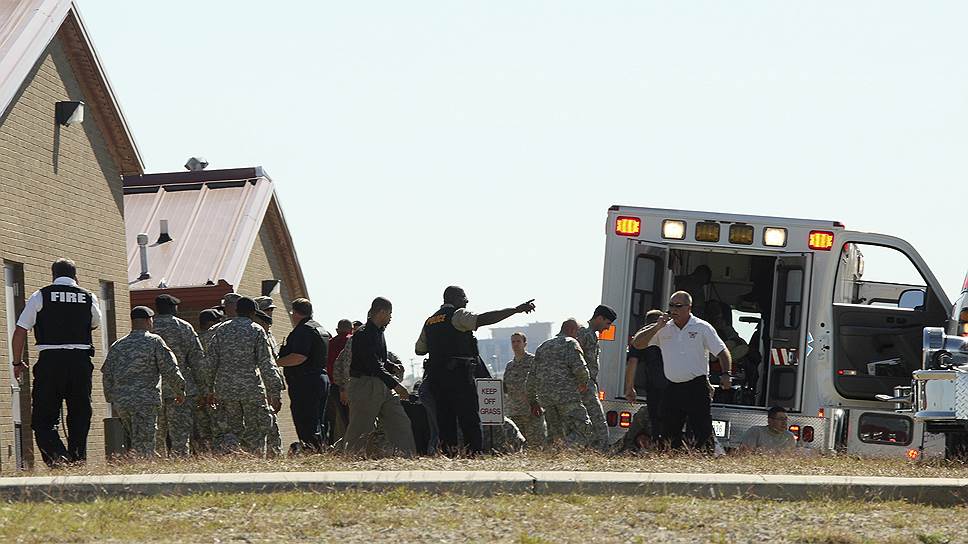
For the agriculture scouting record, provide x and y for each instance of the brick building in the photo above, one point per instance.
(211, 232)
(60, 187)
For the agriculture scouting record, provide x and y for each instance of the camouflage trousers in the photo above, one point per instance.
(596, 414)
(244, 423)
(568, 421)
(140, 425)
(205, 431)
(533, 428)
(174, 426)
(274, 438)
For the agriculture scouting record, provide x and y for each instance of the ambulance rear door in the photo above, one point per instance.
(650, 283)
(785, 360)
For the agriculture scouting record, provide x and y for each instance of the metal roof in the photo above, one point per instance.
(213, 225)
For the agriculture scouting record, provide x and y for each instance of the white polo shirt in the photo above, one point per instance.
(28, 318)
(685, 351)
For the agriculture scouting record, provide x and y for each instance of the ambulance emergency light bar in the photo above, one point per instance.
(710, 231)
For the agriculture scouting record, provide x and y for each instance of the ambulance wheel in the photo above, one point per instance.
(956, 445)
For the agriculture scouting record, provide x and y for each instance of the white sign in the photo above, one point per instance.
(490, 401)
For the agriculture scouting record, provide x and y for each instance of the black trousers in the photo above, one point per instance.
(307, 402)
(687, 403)
(62, 375)
(455, 393)
(655, 397)
(335, 415)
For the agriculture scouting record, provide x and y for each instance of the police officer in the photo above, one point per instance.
(303, 361)
(448, 338)
(62, 316)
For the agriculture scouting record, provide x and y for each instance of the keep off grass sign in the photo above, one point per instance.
(490, 401)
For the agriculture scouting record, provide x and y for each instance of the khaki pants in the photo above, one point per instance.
(369, 400)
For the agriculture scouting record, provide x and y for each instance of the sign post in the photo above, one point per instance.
(490, 401)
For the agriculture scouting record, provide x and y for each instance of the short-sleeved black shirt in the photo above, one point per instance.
(308, 338)
(651, 359)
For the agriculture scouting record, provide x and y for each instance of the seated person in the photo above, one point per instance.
(773, 436)
(639, 435)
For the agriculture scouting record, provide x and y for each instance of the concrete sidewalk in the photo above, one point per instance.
(936, 491)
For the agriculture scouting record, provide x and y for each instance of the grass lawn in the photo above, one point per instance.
(530, 461)
(407, 516)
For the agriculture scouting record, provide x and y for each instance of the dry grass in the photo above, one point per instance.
(534, 461)
(417, 517)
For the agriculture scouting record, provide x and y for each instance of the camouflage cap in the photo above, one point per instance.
(264, 303)
(231, 298)
(141, 312)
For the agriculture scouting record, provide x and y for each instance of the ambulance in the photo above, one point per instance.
(820, 320)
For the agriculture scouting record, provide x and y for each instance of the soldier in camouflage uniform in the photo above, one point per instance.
(558, 377)
(130, 378)
(264, 307)
(588, 339)
(175, 420)
(206, 432)
(517, 401)
(245, 378)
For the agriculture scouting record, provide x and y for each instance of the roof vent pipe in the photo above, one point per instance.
(164, 236)
(143, 250)
(196, 164)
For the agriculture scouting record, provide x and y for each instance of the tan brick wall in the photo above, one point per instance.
(264, 264)
(60, 196)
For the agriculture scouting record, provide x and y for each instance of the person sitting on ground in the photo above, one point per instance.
(773, 436)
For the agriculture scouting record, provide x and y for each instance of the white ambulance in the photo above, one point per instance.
(820, 320)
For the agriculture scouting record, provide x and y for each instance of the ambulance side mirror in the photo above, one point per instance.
(912, 299)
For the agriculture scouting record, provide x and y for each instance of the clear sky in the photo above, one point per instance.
(420, 144)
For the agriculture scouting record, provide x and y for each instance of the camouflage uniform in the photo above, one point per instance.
(558, 370)
(588, 340)
(130, 378)
(518, 402)
(205, 431)
(175, 420)
(341, 366)
(244, 376)
(274, 438)
(506, 438)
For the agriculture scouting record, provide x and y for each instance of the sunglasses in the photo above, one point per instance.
(673, 305)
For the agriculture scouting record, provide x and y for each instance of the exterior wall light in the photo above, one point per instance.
(69, 113)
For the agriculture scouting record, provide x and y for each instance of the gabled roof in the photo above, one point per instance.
(214, 218)
(27, 27)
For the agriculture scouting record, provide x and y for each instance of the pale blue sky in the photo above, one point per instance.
(419, 144)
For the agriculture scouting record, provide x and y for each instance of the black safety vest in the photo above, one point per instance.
(444, 341)
(65, 317)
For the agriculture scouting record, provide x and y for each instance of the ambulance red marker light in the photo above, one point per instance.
(913, 454)
(628, 226)
(625, 420)
(820, 240)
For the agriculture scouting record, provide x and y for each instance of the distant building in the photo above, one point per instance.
(496, 350)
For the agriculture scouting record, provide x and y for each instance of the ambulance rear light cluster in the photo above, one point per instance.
(802, 433)
(740, 234)
(621, 419)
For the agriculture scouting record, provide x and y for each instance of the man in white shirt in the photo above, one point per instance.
(686, 342)
(62, 316)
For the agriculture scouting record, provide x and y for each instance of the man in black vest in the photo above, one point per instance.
(448, 338)
(62, 316)
(303, 360)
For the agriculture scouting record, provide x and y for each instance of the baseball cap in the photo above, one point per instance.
(605, 311)
(141, 312)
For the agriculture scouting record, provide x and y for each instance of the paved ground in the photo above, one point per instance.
(934, 491)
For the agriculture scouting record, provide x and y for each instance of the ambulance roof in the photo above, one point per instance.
(728, 217)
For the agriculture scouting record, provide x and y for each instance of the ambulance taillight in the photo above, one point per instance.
(795, 429)
(628, 226)
(625, 420)
(820, 240)
(806, 433)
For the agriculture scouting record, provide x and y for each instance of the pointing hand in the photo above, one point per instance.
(526, 307)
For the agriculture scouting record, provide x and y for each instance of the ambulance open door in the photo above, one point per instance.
(787, 325)
(650, 283)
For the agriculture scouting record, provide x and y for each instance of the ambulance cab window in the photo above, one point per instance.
(878, 276)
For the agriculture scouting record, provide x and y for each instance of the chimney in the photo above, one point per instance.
(163, 236)
(143, 250)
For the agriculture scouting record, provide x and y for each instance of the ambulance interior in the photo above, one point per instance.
(881, 303)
